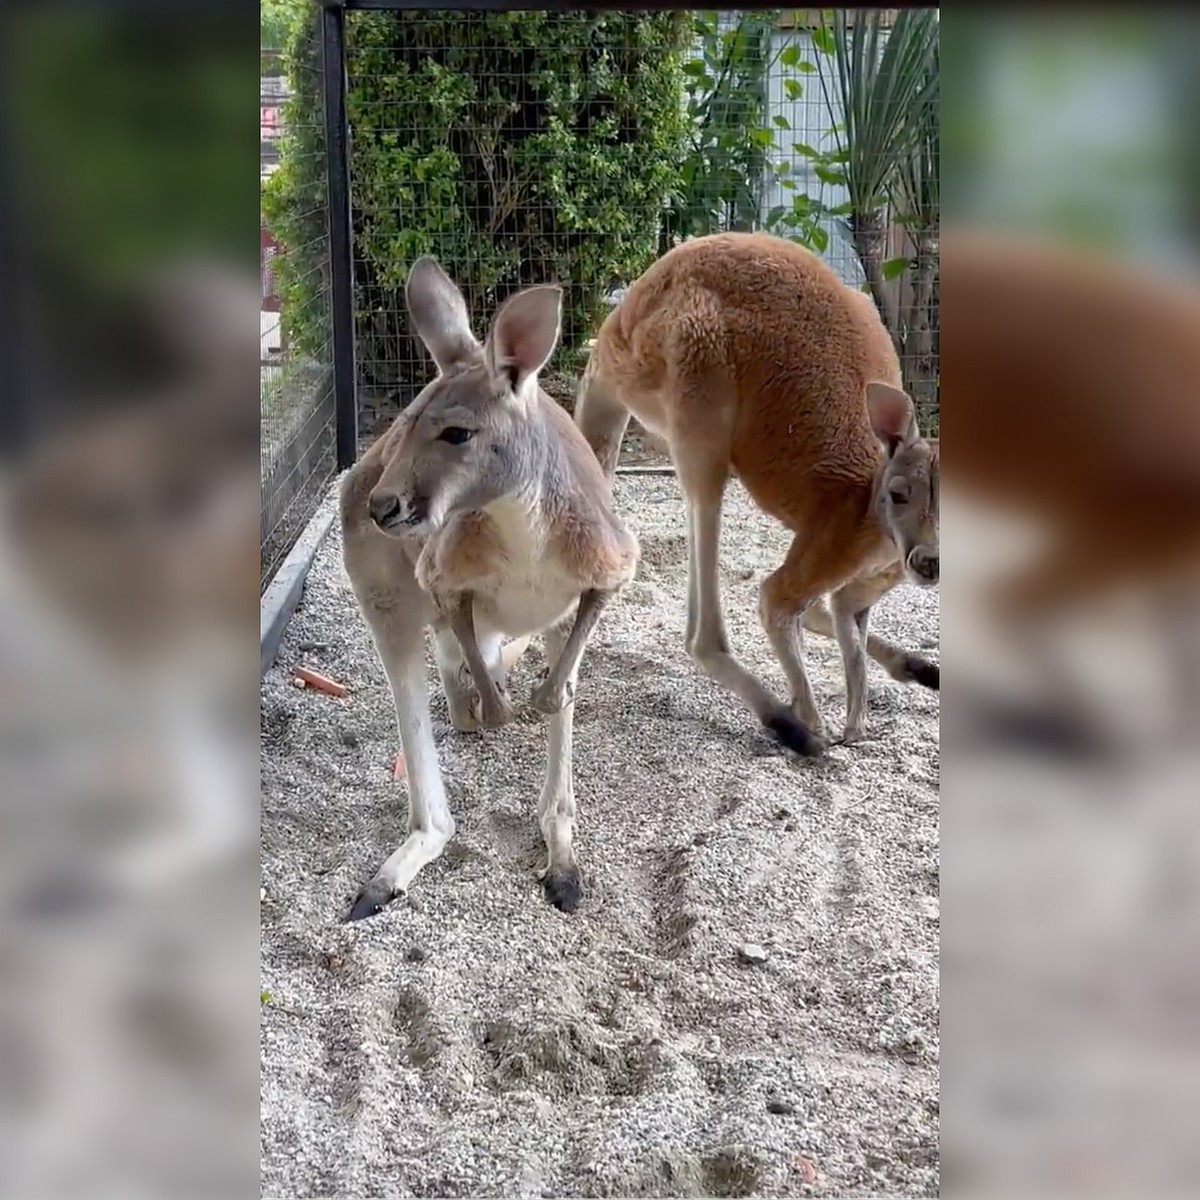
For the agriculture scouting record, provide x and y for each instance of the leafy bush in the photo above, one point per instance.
(728, 135)
(275, 21)
(294, 198)
(518, 148)
(736, 145)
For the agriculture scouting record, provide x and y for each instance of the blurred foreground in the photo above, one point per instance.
(128, 569)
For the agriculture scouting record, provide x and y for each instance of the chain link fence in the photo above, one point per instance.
(296, 399)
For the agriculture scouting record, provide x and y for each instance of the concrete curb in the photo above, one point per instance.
(284, 591)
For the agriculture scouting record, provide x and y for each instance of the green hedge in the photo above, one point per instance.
(295, 197)
(516, 147)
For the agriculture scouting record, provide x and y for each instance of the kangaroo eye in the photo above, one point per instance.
(456, 435)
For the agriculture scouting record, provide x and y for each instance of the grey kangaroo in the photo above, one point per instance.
(483, 514)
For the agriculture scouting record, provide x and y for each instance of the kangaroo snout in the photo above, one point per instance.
(924, 563)
(389, 511)
(385, 508)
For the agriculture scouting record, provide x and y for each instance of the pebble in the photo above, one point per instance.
(752, 952)
(781, 1108)
(415, 954)
(806, 1168)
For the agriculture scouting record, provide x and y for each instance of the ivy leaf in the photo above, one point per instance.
(894, 268)
(793, 89)
(791, 55)
(781, 122)
(822, 39)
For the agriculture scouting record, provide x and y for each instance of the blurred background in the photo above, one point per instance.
(1071, 355)
(128, 918)
(128, 561)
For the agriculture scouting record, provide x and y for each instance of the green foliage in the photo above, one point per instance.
(886, 82)
(276, 20)
(732, 148)
(881, 87)
(729, 141)
(120, 186)
(519, 148)
(914, 188)
(294, 200)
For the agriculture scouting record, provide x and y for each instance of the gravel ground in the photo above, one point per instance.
(473, 1041)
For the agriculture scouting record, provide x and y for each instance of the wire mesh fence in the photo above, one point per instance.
(575, 148)
(296, 401)
(524, 147)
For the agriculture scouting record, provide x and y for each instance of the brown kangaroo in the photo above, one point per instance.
(481, 513)
(748, 356)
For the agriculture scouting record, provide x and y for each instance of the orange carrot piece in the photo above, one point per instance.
(320, 682)
(399, 768)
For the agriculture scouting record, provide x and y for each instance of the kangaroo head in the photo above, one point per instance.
(908, 484)
(465, 440)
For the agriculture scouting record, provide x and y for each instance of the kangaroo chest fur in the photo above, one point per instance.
(521, 585)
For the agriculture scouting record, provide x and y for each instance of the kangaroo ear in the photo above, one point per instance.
(524, 333)
(892, 417)
(439, 314)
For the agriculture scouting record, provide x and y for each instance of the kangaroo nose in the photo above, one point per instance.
(925, 563)
(384, 507)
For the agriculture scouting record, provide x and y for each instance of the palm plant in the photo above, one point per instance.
(881, 91)
(915, 197)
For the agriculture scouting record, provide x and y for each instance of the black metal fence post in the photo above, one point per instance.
(341, 267)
